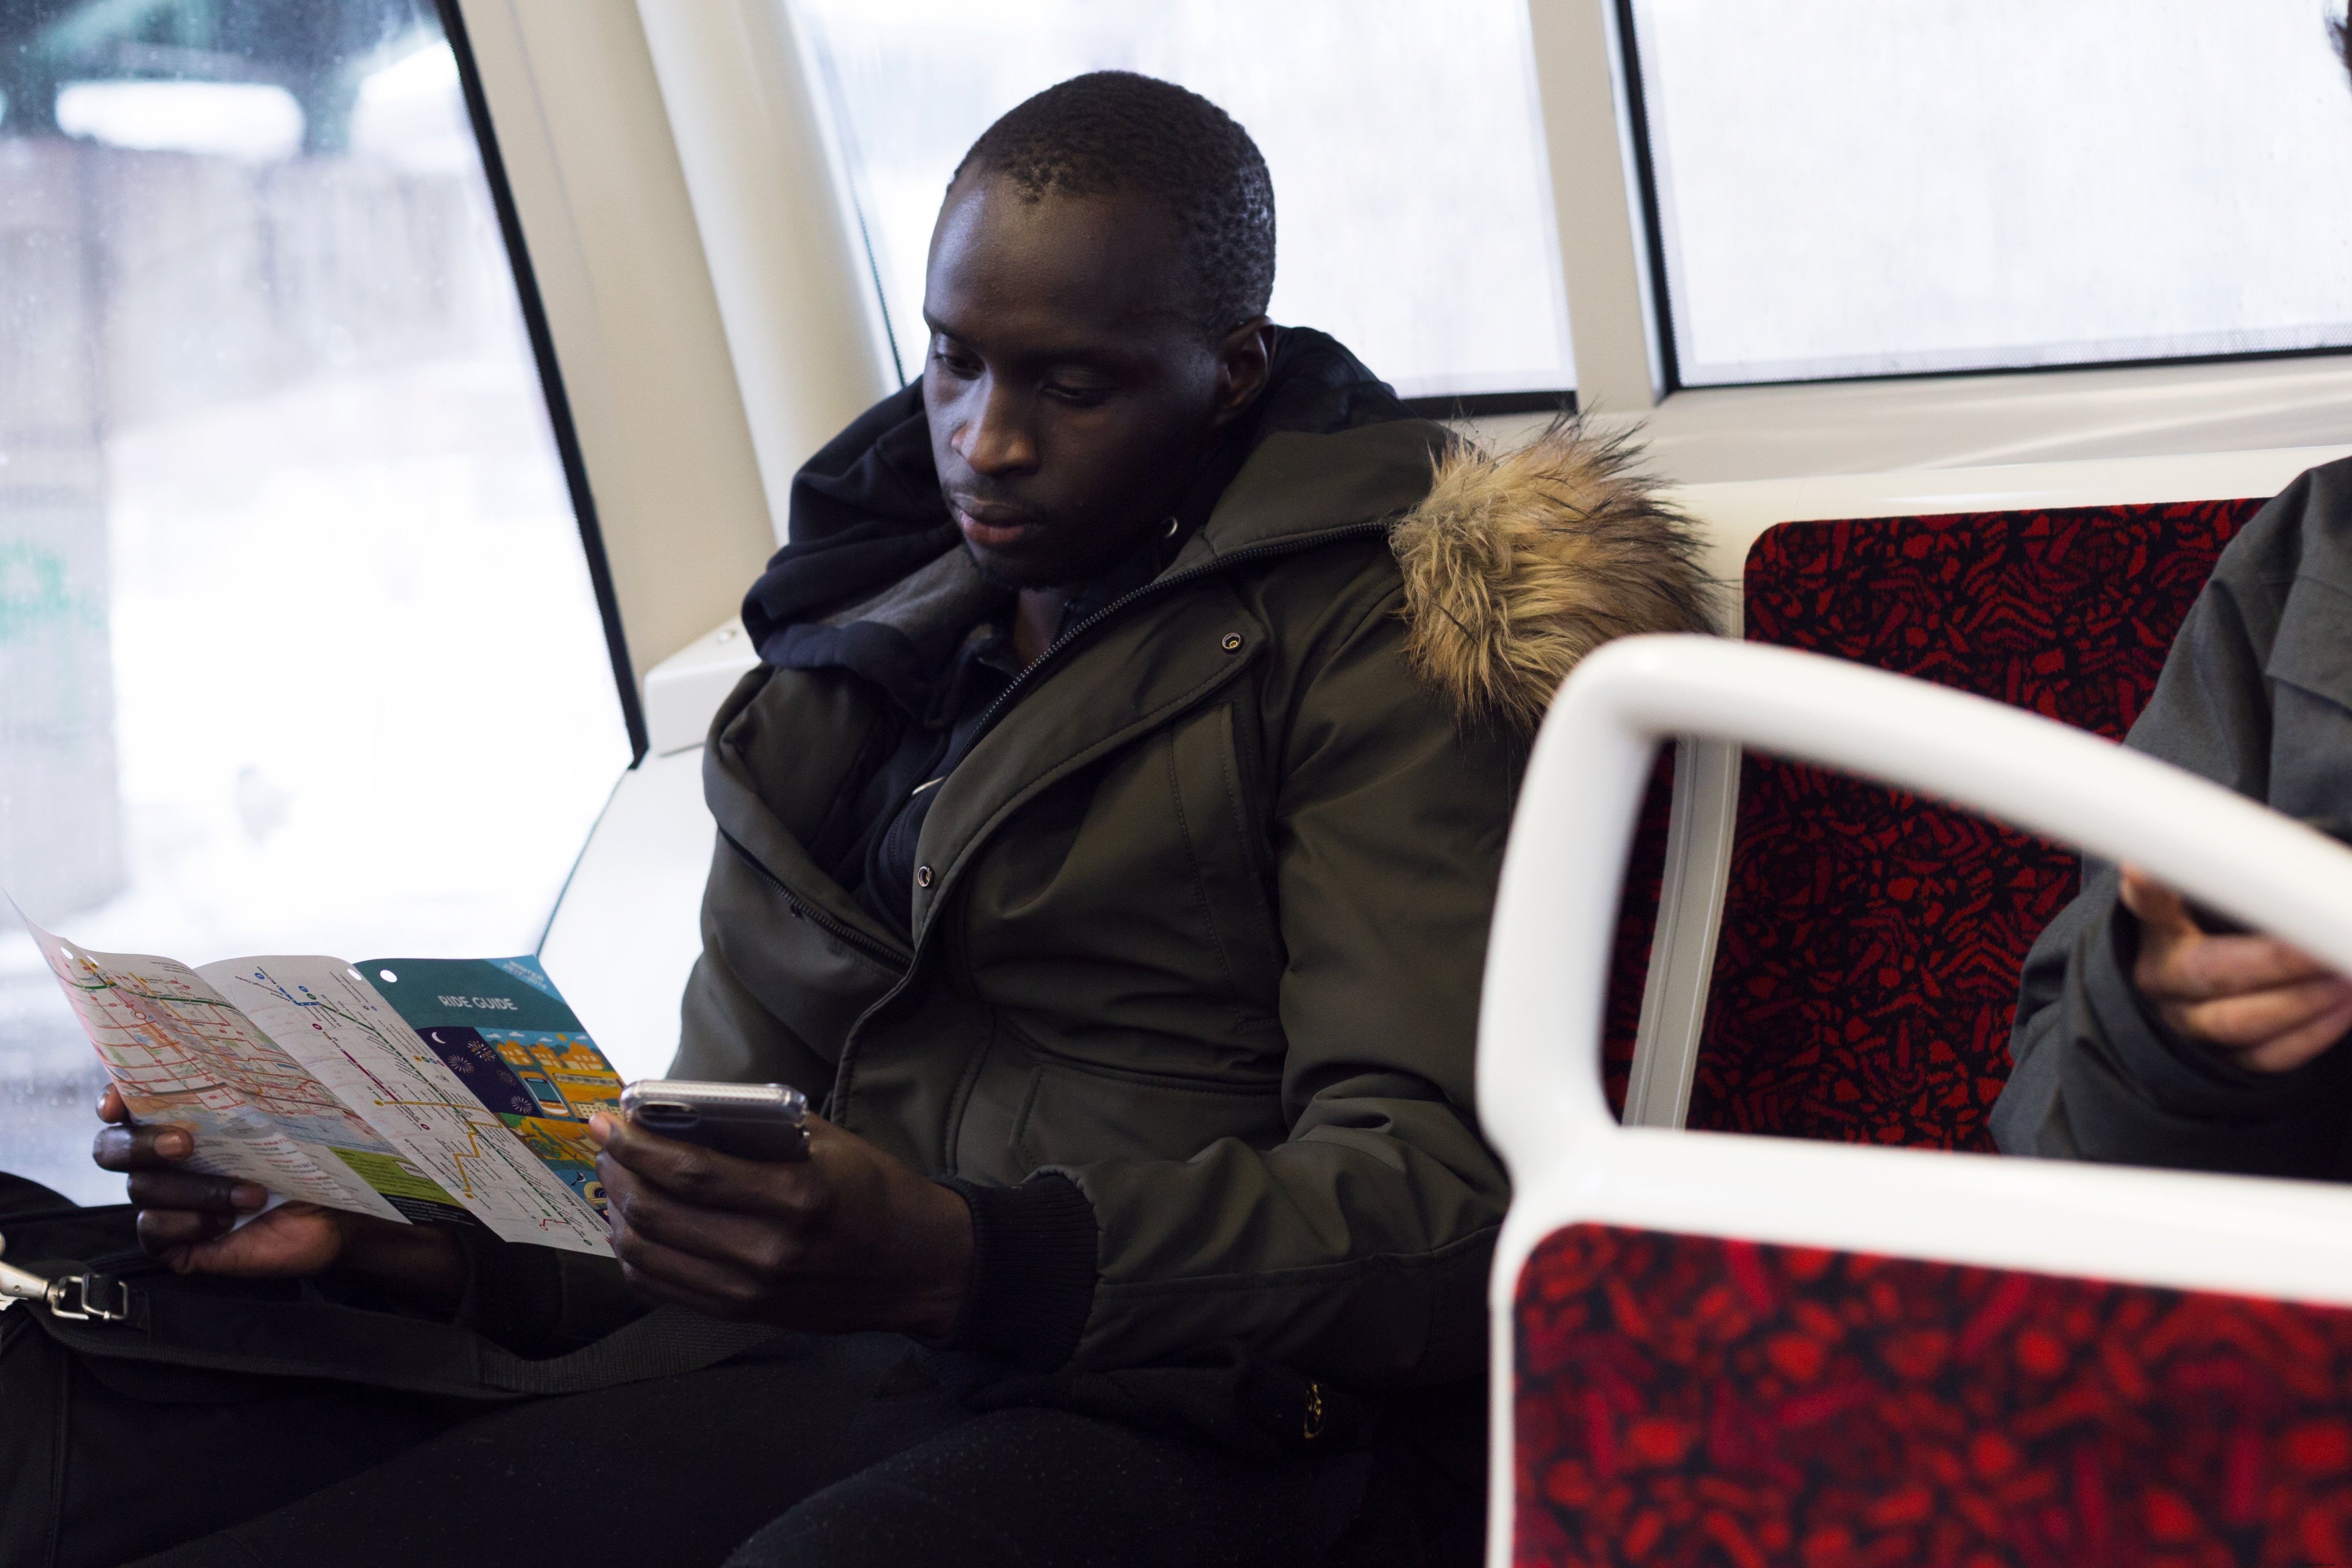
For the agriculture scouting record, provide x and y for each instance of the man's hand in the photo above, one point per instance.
(186, 1220)
(852, 1239)
(2260, 1004)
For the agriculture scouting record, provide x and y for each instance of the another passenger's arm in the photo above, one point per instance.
(2107, 1060)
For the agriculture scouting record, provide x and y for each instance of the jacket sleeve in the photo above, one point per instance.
(2096, 1075)
(726, 1033)
(1356, 1249)
(539, 1302)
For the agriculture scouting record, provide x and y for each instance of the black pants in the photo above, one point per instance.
(837, 1451)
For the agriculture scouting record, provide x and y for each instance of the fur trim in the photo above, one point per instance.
(1520, 564)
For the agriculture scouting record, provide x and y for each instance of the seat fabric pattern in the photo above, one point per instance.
(1871, 942)
(1686, 1400)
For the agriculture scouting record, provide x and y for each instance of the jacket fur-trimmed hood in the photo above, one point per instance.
(1518, 563)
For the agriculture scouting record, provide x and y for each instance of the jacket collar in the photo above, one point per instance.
(866, 511)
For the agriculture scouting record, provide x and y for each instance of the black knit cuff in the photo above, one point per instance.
(1032, 1271)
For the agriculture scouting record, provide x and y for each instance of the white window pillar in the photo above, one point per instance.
(1596, 202)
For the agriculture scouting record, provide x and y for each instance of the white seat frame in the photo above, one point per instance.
(1540, 1093)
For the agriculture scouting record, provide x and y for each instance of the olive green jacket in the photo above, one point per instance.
(1199, 922)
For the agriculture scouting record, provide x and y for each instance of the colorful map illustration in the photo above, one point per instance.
(315, 1079)
(180, 1052)
(337, 1024)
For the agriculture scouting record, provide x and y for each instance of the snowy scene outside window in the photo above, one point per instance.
(298, 652)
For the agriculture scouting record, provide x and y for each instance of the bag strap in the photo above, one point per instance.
(139, 1321)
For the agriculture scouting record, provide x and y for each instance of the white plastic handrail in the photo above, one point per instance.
(1547, 971)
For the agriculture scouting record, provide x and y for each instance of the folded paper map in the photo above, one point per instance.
(405, 1087)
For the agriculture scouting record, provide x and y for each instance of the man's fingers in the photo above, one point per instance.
(2292, 1049)
(198, 1194)
(111, 1107)
(759, 1242)
(667, 1274)
(698, 1176)
(2157, 907)
(2225, 967)
(141, 1147)
(2256, 1018)
(164, 1232)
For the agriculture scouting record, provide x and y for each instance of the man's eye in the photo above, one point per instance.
(963, 365)
(1076, 396)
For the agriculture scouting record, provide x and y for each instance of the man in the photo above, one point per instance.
(1107, 841)
(2149, 1032)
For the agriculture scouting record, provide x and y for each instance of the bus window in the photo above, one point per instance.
(298, 650)
(1404, 136)
(1848, 187)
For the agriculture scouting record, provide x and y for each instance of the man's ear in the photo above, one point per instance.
(1242, 359)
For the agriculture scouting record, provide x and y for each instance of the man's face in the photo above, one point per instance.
(1069, 397)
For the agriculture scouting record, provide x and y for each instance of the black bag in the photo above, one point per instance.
(117, 1304)
(141, 1409)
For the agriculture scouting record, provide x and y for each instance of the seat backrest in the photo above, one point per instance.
(1718, 1348)
(1866, 969)
(1697, 1399)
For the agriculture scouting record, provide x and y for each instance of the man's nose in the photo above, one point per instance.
(997, 439)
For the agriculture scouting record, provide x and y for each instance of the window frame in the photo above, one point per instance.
(551, 373)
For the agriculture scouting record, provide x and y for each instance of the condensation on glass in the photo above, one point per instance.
(1868, 187)
(1413, 209)
(299, 651)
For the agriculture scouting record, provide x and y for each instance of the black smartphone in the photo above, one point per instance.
(749, 1120)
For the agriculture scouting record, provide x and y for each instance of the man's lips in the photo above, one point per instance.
(991, 528)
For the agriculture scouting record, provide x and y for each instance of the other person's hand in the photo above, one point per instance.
(2258, 1002)
(851, 1239)
(186, 1219)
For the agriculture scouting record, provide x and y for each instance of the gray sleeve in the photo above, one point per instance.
(2130, 1091)
(2094, 1075)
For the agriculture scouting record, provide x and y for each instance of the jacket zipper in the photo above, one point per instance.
(802, 909)
(1159, 585)
(861, 944)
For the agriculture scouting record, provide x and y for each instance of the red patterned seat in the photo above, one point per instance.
(1870, 943)
(1694, 1400)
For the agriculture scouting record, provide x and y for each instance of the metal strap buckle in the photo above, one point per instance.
(17, 1284)
(80, 1285)
(69, 1298)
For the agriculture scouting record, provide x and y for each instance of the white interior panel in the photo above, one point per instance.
(629, 929)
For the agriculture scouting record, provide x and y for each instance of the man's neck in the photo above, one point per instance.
(1036, 617)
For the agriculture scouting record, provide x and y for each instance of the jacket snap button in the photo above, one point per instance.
(922, 875)
(1233, 642)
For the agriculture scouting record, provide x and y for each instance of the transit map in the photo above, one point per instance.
(299, 1074)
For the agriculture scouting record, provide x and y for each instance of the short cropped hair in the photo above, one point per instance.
(1116, 132)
